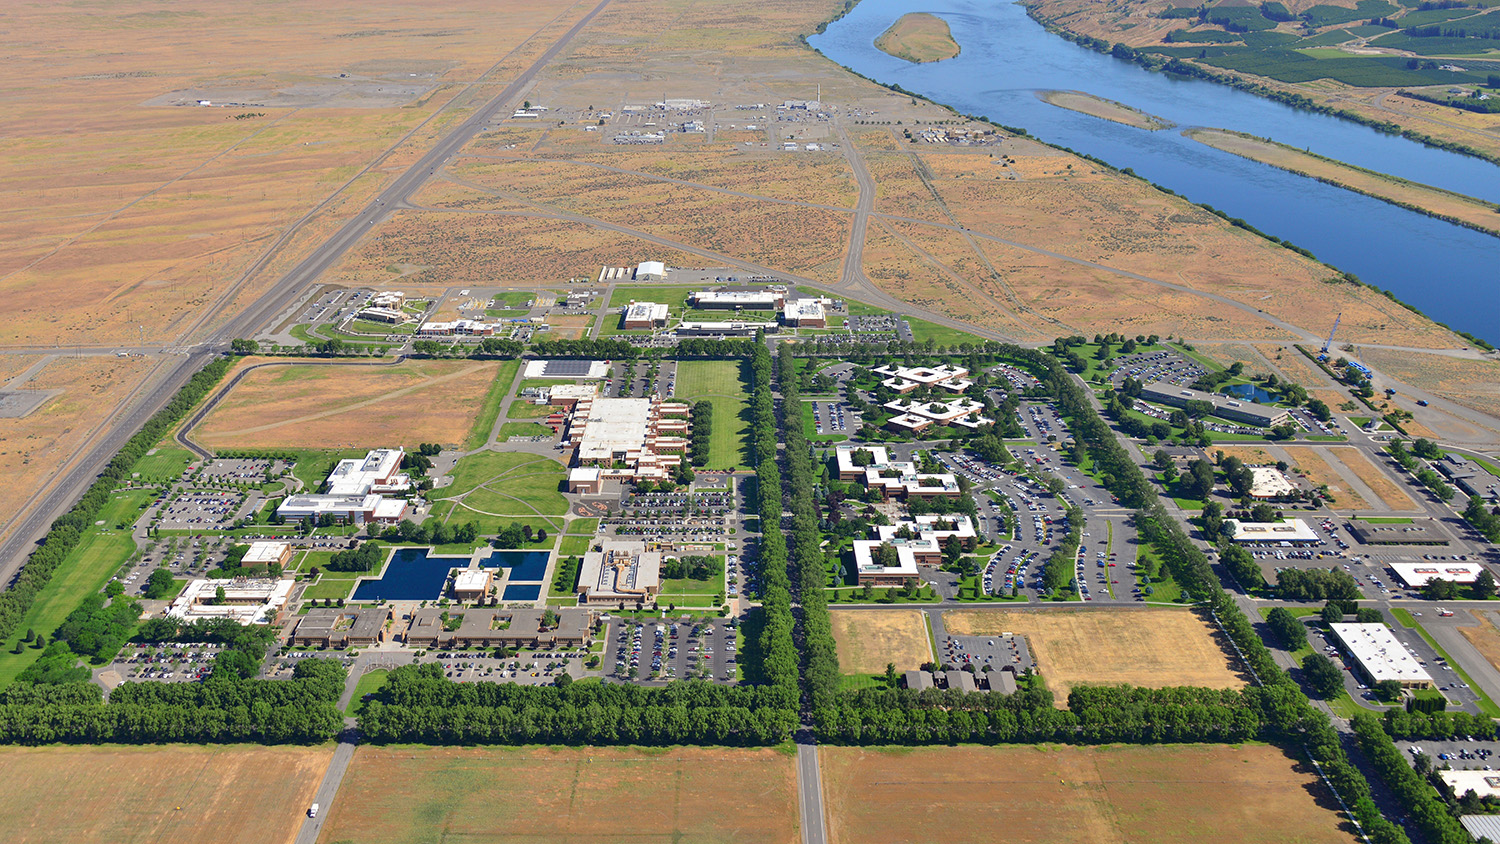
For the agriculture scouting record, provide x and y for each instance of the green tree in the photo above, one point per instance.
(1323, 677)
(1287, 627)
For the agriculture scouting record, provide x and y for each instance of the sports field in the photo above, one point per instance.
(1089, 795)
(481, 795)
(867, 640)
(719, 381)
(177, 793)
(319, 406)
(1145, 647)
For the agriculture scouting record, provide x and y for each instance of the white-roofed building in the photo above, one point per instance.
(349, 509)
(567, 395)
(458, 328)
(960, 411)
(894, 478)
(377, 471)
(246, 600)
(393, 316)
(735, 328)
(1380, 655)
(904, 379)
(264, 553)
(651, 271)
(805, 313)
(849, 469)
(1290, 531)
(622, 572)
(1416, 575)
(893, 556)
(733, 300)
(585, 480)
(1269, 482)
(388, 299)
(471, 584)
(638, 315)
(628, 438)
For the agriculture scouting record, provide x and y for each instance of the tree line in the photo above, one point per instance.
(701, 418)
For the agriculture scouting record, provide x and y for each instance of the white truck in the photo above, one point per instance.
(312, 811)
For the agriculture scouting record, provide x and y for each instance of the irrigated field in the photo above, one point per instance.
(1090, 795)
(1150, 647)
(494, 483)
(686, 795)
(867, 640)
(319, 406)
(182, 794)
(719, 382)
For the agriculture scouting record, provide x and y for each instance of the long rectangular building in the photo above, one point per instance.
(733, 300)
(1232, 409)
(1380, 655)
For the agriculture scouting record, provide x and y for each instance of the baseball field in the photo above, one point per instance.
(533, 794)
(1089, 795)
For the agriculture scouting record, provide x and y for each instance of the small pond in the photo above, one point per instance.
(416, 574)
(1250, 392)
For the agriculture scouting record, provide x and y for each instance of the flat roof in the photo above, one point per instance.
(1269, 482)
(844, 454)
(621, 570)
(613, 426)
(864, 559)
(357, 476)
(472, 580)
(263, 552)
(636, 311)
(1417, 574)
(1286, 530)
(800, 309)
(246, 601)
(1380, 653)
(592, 369)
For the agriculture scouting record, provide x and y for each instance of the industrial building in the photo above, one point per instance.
(626, 573)
(245, 600)
(1416, 575)
(359, 627)
(1397, 533)
(651, 271)
(770, 299)
(1232, 409)
(491, 628)
(1380, 655)
(267, 554)
(628, 439)
(638, 315)
(1268, 483)
(894, 478)
(804, 313)
(1284, 532)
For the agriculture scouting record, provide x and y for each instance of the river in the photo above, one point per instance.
(1447, 271)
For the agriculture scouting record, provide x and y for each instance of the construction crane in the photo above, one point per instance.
(1327, 344)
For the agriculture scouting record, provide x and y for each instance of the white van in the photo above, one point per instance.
(312, 811)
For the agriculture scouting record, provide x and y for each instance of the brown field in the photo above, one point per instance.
(1230, 353)
(686, 795)
(1472, 383)
(1391, 189)
(1154, 647)
(867, 640)
(308, 406)
(1390, 493)
(1251, 794)
(1250, 455)
(1486, 637)
(35, 448)
(1316, 468)
(186, 794)
(919, 37)
(1103, 109)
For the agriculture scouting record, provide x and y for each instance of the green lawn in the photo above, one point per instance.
(165, 461)
(720, 382)
(1384, 520)
(922, 331)
(494, 466)
(510, 299)
(574, 546)
(368, 683)
(98, 556)
(313, 464)
(673, 295)
(523, 429)
(522, 409)
(485, 421)
(583, 527)
(365, 326)
(334, 584)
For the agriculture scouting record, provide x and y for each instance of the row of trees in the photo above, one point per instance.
(67, 531)
(1430, 479)
(1330, 584)
(702, 419)
(1421, 803)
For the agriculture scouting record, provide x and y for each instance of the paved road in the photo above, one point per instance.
(810, 794)
(262, 312)
(312, 827)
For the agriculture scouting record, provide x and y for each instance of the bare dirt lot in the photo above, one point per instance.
(1090, 795)
(1486, 637)
(1152, 647)
(244, 795)
(868, 640)
(313, 406)
(483, 795)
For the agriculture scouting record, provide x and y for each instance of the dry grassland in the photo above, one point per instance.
(919, 37)
(1152, 648)
(1103, 109)
(868, 640)
(1318, 471)
(686, 795)
(310, 406)
(1250, 455)
(1250, 794)
(34, 449)
(1472, 383)
(818, 179)
(1388, 491)
(1486, 637)
(182, 794)
(1298, 368)
(1380, 186)
(1256, 364)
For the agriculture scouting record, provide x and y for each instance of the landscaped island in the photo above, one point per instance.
(919, 37)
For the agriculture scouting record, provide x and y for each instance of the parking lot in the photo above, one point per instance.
(1447, 681)
(204, 508)
(237, 471)
(663, 650)
(177, 662)
(1462, 754)
(994, 651)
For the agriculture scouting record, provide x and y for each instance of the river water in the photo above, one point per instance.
(1449, 272)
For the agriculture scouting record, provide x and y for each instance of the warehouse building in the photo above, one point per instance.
(1380, 655)
(626, 573)
(770, 299)
(245, 600)
(1284, 532)
(638, 315)
(651, 271)
(1396, 533)
(1229, 408)
(1417, 575)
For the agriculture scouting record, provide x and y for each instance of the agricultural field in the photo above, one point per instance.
(867, 640)
(177, 793)
(719, 381)
(1314, 465)
(919, 38)
(310, 405)
(1149, 647)
(1249, 794)
(493, 483)
(481, 795)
